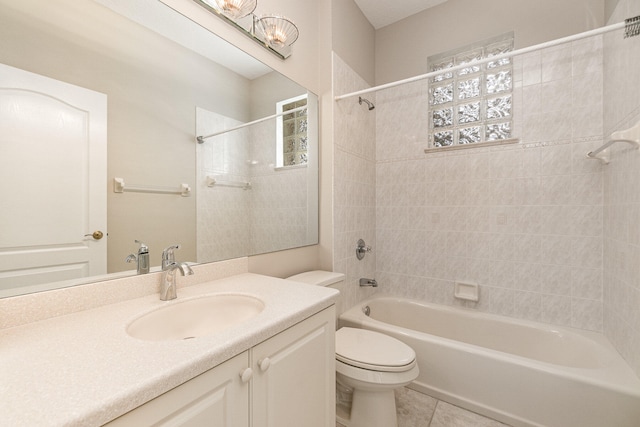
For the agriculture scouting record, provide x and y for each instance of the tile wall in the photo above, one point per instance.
(523, 221)
(548, 234)
(622, 191)
(222, 225)
(233, 222)
(354, 184)
(278, 202)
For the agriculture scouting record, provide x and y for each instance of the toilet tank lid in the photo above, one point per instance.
(318, 277)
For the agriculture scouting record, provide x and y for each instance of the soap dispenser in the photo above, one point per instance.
(142, 258)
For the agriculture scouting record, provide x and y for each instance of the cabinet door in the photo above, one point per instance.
(216, 398)
(294, 375)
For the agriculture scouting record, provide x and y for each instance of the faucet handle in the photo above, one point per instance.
(362, 249)
(168, 256)
(143, 247)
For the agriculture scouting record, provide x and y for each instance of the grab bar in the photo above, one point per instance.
(212, 181)
(120, 187)
(630, 136)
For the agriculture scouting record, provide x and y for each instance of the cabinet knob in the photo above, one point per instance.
(246, 375)
(264, 364)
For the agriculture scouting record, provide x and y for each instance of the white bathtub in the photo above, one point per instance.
(519, 372)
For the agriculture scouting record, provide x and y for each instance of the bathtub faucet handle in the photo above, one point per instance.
(368, 282)
(362, 249)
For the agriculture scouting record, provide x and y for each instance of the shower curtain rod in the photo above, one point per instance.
(201, 139)
(524, 50)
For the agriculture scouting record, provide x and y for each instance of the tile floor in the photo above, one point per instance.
(419, 410)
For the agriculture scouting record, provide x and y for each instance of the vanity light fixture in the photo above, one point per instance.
(233, 9)
(274, 32)
(277, 31)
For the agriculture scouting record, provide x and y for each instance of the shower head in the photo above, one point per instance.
(366, 101)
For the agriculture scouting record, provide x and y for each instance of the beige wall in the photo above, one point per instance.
(353, 38)
(269, 89)
(609, 8)
(402, 48)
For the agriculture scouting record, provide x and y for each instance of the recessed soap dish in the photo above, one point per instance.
(467, 291)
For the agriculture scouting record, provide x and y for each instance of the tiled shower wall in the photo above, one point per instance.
(524, 221)
(622, 191)
(233, 222)
(548, 234)
(278, 199)
(354, 184)
(222, 223)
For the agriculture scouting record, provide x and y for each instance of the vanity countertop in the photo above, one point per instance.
(82, 369)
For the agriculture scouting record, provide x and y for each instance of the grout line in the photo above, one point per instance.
(433, 414)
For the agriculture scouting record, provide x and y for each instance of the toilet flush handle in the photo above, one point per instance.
(264, 364)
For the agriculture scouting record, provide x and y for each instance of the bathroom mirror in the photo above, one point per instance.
(164, 80)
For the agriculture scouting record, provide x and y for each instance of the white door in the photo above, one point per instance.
(53, 155)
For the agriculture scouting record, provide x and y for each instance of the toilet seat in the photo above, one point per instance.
(373, 351)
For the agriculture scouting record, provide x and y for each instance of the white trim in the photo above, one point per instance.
(285, 168)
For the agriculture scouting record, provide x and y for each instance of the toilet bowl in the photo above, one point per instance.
(372, 364)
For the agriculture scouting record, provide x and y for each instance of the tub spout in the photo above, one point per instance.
(368, 282)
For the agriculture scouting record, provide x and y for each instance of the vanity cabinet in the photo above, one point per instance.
(294, 375)
(287, 380)
(217, 397)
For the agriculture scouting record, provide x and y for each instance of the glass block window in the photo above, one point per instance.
(472, 104)
(291, 129)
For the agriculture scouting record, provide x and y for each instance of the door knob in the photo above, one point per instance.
(97, 235)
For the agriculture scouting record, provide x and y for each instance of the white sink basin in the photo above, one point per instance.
(194, 318)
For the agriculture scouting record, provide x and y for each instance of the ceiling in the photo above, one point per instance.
(381, 13)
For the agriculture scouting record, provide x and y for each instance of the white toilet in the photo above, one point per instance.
(370, 363)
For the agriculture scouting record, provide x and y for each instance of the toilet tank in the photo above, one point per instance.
(324, 278)
(318, 277)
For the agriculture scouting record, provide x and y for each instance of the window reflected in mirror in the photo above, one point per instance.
(291, 132)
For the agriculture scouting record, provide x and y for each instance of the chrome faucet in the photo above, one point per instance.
(142, 259)
(168, 256)
(368, 282)
(168, 283)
